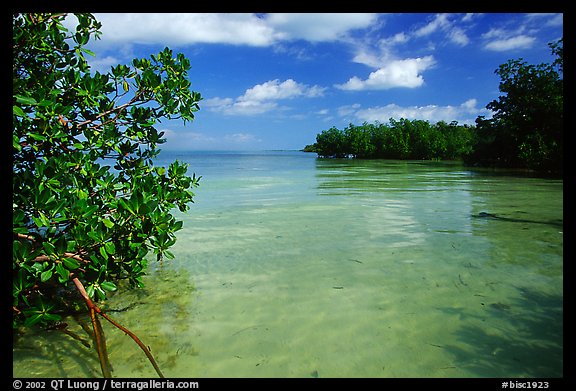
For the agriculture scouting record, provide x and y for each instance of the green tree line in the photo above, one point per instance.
(525, 131)
(399, 139)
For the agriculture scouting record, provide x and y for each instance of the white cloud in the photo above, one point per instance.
(463, 113)
(547, 18)
(382, 54)
(398, 73)
(273, 89)
(103, 64)
(392, 71)
(440, 21)
(318, 27)
(178, 29)
(458, 36)
(468, 17)
(505, 44)
(556, 20)
(347, 110)
(521, 35)
(262, 97)
(183, 29)
(241, 138)
(184, 139)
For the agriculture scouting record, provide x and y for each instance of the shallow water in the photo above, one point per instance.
(292, 266)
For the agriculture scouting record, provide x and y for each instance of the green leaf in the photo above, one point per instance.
(32, 320)
(16, 143)
(26, 100)
(49, 248)
(109, 286)
(110, 248)
(90, 52)
(90, 291)
(63, 273)
(16, 110)
(37, 137)
(108, 223)
(101, 293)
(125, 205)
(177, 226)
(37, 222)
(45, 276)
(82, 194)
(71, 263)
(45, 102)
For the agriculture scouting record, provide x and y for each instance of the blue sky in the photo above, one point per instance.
(274, 81)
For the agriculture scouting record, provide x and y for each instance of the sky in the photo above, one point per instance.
(274, 81)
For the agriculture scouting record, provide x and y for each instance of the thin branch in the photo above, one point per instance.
(112, 110)
(42, 258)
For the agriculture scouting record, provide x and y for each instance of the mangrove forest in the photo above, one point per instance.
(525, 130)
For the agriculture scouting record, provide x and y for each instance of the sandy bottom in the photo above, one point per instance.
(340, 286)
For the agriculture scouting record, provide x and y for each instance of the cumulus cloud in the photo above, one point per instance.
(263, 97)
(228, 28)
(463, 113)
(182, 29)
(273, 89)
(398, 73)
(392, 71)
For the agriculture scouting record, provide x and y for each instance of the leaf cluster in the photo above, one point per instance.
(527, 127)
(87, 199)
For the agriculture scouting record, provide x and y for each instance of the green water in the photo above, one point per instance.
(292, 266)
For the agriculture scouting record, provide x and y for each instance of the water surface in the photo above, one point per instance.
(293, 266)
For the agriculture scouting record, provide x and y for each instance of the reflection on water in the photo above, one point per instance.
(344, 175)
(292, 266)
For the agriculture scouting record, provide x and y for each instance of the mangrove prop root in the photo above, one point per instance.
(100, 345)
(94, 310)
(137, 340)
(99, 335)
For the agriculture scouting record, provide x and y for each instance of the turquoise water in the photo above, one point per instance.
(293, 266)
